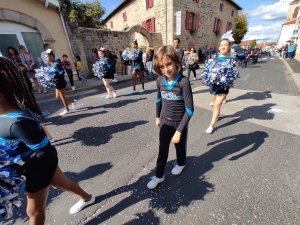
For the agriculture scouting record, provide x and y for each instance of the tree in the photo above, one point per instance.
(87, 14)
(241, 27)
(253, 44)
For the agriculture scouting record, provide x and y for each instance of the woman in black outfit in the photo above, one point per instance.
(37, 160)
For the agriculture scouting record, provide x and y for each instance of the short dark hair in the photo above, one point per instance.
(46, 45)
(64, 55)
(177, 39)
(77, 57)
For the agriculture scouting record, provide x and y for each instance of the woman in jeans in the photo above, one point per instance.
(28, 60)
(192, 60)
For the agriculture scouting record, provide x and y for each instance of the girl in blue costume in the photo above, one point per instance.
(25, 151)
(60, 81)
(219, 74)
(102, 69)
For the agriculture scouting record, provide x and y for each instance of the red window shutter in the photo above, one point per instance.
(216, 25)
(187, 20)
(197, 21)
(151, 3)
(147, 4)
(111, 24)
(152, 24)
(144, 24)
(221, 23)
(125, 16)
(227, 25)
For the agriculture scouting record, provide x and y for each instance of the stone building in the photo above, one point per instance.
(197, 23)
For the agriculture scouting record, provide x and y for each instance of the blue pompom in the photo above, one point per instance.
(45, 76)
(221, 72)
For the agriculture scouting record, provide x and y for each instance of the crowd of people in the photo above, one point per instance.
(288, 51)
(25, 148)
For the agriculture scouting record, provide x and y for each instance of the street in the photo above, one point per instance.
(246, 172)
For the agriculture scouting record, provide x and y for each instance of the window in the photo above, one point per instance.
(228, 26)
(218, 25)
(149, 4)
(111, 24)
(232, 13)
(221, 7)
(149, 25)
(124, 16)
(192, 21)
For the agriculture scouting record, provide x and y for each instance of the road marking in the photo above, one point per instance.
(275, 110)
(46, 113)
(264, 58)
(77, 105)
(147, 87)
(127, 92)
(101, 99)
(272, 58)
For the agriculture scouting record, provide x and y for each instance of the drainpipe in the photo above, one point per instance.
(64, 26)
(166, 22)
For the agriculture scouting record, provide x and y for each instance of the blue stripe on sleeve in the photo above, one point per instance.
(189, 111)
(158, 100)
(43, 143)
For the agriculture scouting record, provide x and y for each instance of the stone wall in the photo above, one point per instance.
(84, 39)
(137, 13)
(208, 10)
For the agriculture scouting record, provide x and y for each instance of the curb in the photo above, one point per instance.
(295, 76)
(78, 90)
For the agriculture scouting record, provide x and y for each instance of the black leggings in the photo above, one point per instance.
(167, 130)
(189, 72)
(70, 75)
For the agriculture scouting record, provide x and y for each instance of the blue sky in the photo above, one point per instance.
(265, 16)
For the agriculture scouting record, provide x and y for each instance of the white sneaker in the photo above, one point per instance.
(133, 92)
(81, 204)
(154, 182)
(74, 104)
(64, 113)
(209, 130)
(142, 90)
(177, 169)
(52, 140)
(114, 80)
(108, 97)
(211, 104)
(73, 88)
(194, 78)
(114, 94)
(224, 101)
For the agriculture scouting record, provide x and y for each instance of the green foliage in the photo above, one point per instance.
(253, 44)
(241, 27)
(86, 14)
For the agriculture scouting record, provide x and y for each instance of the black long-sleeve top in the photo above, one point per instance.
(175, 101)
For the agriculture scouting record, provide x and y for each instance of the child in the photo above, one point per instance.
(174, 109)
(107, 74)
(60, 81)
(80, 69)
(68, 67)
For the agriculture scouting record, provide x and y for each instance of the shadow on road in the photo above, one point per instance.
(253, 95)
(95, 136)
(144, 218)
(252, 112)
(202, 91)
(179, 191)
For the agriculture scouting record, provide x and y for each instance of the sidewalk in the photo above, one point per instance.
(91, 84)
(293, 67)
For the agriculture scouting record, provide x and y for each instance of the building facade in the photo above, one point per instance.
(32, 23)
(198, 23)
(288, 27)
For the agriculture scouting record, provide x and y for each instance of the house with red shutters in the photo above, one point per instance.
(198, 23)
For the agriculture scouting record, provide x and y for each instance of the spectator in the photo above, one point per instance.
(94, 55)
(28, 60)
(123, 66)
(112, 61)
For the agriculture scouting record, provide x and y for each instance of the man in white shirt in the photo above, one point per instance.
(46, 47)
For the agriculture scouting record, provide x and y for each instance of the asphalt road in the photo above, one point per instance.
(247, 172)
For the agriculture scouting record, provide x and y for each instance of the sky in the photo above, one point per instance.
(265, 16)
